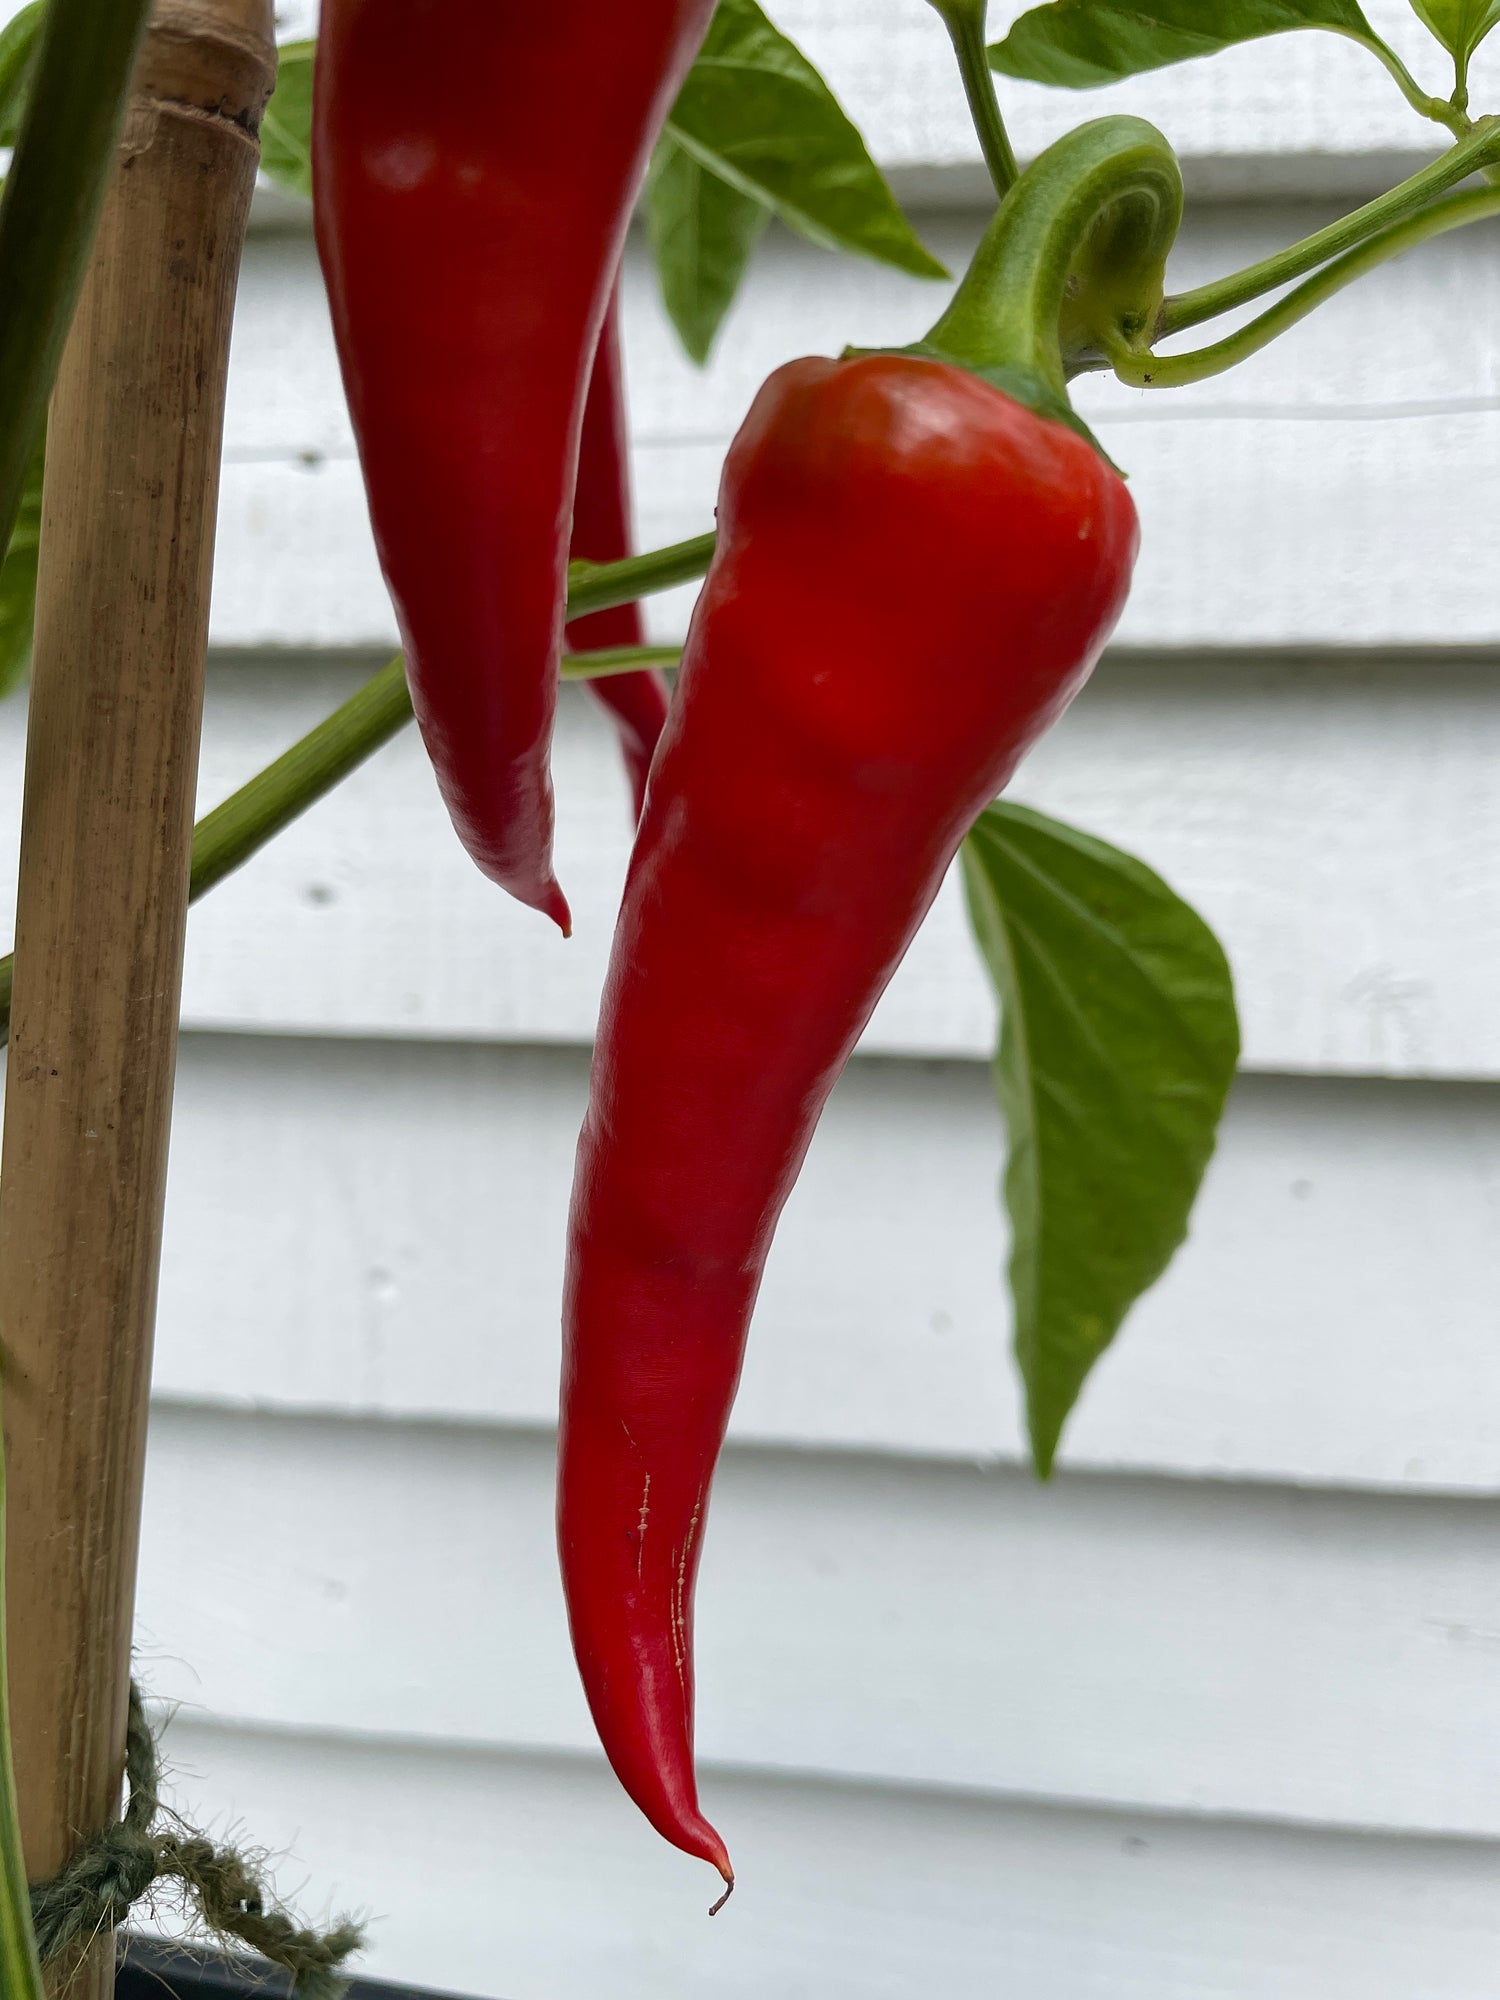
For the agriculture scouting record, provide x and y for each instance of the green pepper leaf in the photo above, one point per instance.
(1118, 1042)
(286, 127)
(18, 46)
(1460, 25)
(18, 581)
(1079, 44)
(756, 113)
(702, 231)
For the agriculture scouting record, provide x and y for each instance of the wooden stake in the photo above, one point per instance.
(111, 763)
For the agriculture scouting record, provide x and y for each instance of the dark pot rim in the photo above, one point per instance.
(152, 1971)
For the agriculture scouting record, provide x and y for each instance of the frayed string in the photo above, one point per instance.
(223, 1890)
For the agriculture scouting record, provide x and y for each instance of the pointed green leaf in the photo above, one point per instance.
(1118, 1042)
(1079, 44)
(702, 232)
(18, 581)
(286, 128)
(755, 112)
(18, 46)
(1460, 25)
(64, 159)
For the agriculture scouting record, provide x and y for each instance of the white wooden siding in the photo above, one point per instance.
(375, 1228)
(1213, 1717)
(1277, 509)
(1334, 819)
(1100, 1639)
(510, 1873)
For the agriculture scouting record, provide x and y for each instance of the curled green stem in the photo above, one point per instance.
(1074, 258)
(1175, 371)
(1481, 149)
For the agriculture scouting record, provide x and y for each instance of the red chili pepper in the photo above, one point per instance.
(914, 575)
(474, 168)
(601, 533)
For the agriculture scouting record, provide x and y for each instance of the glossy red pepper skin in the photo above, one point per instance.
(602, 533)
(474, 167)
(914, 576)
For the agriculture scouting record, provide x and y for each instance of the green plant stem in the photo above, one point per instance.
(1075, 256)
(20, 1969)
(229, 835)
(1185, 309)
(51, 205)
(274, 797)
(964, 20)
(1174, 371)
(282, 792)
(1438, 109)
(602, 661)
(601, 586)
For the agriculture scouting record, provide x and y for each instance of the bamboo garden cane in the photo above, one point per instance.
(121, 634)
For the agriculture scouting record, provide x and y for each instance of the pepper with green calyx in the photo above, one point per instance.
(916, 570)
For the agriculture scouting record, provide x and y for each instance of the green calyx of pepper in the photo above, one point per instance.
(1072, 267)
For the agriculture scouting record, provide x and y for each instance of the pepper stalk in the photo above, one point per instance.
(1073, 264)
(965, 22)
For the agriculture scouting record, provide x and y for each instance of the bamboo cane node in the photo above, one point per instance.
(198, 60)
(221, 1888)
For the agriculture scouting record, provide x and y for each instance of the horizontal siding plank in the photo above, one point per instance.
(1275, 533)
(1307, 1657)
(512, 1876)
(285, 398)
(377, 1229)
(1270, 533)
(1313, 524)
(1338, 828)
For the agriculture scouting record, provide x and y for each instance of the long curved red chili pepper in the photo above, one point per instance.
(602, 533)
(474, 168)
(914, 576)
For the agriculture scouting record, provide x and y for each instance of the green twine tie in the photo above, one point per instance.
(113, 1871)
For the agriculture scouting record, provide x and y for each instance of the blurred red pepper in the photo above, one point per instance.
(914, 575)
(474, 169)
(602, 533)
